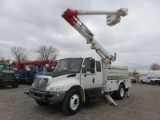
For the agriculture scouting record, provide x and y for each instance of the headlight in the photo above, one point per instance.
(55, 89)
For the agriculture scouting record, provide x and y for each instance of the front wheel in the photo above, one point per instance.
(142, 82)
(152, 82)
(71, 102)
(120, 93)
(15, 85)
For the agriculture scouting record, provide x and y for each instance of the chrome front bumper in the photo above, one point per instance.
(46, 96)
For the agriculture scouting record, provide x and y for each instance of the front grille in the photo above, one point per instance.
(40, 83)
(8, 76)
(38, 95)
(36, 82)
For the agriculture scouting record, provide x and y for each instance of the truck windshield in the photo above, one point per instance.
(4, 67)
(1, 67)
(153, 77)
(71, 64)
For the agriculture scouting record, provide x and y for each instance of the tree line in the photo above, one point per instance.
(20, 54)
(155, 66)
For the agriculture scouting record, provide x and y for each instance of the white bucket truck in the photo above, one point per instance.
(77, 80)
(149, 78)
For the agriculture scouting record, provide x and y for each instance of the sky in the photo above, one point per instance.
(32, 23)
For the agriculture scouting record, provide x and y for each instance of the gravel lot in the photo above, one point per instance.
(144, 104)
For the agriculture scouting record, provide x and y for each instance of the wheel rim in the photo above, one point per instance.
(74, 102)
(122, 92)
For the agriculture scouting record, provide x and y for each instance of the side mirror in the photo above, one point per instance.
(92, 63)
(84, 69)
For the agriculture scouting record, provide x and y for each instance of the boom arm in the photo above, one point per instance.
(113, 18)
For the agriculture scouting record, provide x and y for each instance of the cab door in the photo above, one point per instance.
(89, 78)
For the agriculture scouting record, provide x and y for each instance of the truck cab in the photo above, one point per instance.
(76, 80)
(8, 76)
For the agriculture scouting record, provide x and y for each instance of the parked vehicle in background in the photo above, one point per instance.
(149, 78)
(29, 69)
(133, 80)
(8, 76)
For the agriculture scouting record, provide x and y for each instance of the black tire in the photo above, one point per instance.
(42, 103)
(113, 95)
(71, 102)
(120, 93)
(152, 82)
(15, 85)
(142, 82)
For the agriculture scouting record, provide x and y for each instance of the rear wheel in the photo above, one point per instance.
(72, 102)
(120, 93)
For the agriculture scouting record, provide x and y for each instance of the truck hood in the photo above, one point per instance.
(56, 74)
(53, 79)
(155, 79)
(62, 82)
(7, 71)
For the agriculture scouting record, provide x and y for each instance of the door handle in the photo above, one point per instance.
(93, 80)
